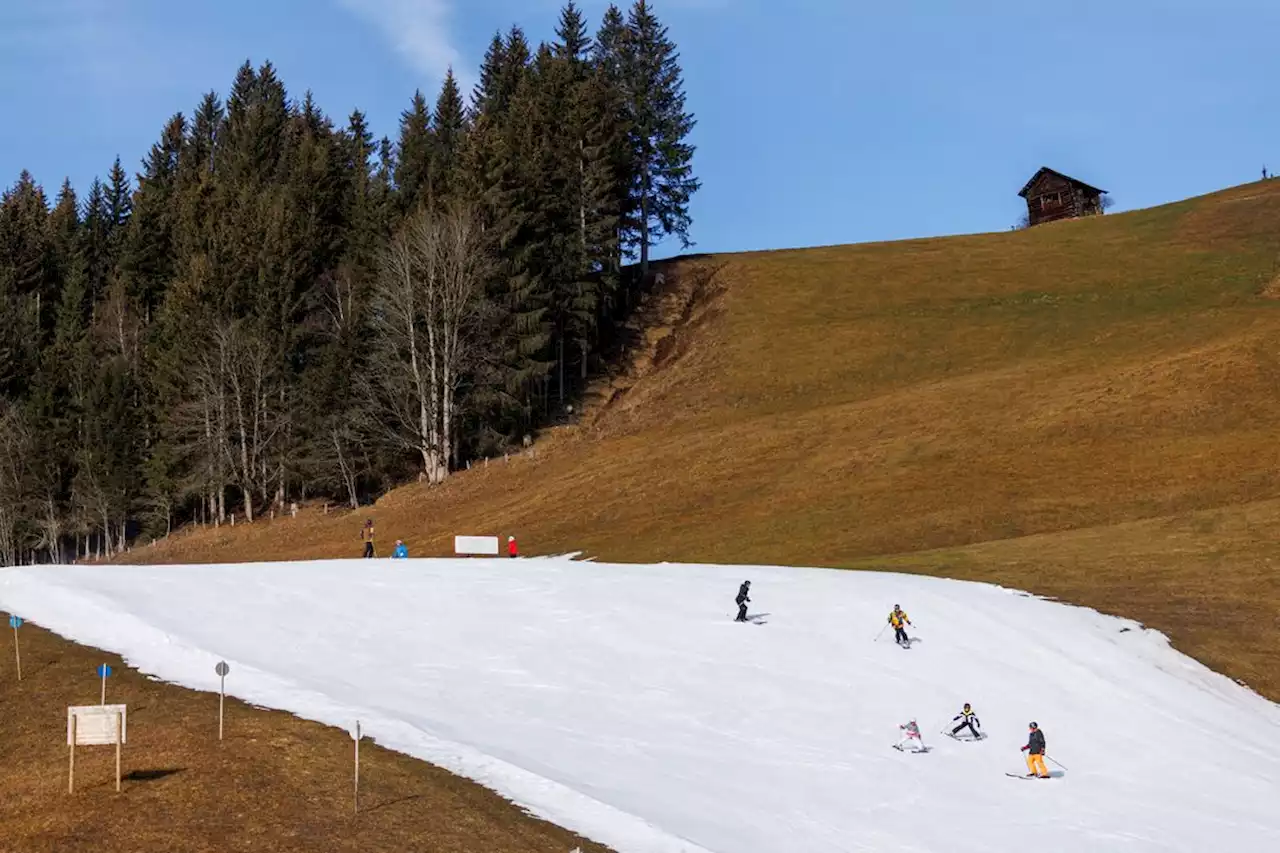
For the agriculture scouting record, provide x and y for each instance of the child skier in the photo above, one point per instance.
(743, 598)
(898, 618)
(512, 550)
(967, 718)
(401, 552)
(1035, 753)
(910, 735)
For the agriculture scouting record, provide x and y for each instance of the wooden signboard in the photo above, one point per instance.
(95, 725)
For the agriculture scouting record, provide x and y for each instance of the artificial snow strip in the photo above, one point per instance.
(615, 700)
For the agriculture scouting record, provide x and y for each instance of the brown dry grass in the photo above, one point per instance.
(277, 783)
(830, 405)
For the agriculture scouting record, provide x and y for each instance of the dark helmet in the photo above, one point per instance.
(966, 704)
(1034, 726)
(746, 583)
(896, 607)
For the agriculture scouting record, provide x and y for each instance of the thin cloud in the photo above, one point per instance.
(418, 30)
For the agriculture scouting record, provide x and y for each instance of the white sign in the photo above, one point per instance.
(475, 546)
(96, 724)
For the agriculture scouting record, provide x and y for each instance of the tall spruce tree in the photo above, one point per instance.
(449, 126)
(660, 126)
(413, 155)
(25, 273)
(147, 256)
(572, 42)
(610, 61)
(487, 95)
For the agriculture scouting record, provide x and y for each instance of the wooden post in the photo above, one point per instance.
(356, 796)
(222, 695)
(104, 688)
(17, 655)
(71, 772)
(119, 734)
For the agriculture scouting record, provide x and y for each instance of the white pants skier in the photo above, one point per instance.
(910, 737)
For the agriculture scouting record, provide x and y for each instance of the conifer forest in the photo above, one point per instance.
(279, 306)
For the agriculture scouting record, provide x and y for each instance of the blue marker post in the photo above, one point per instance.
(15, 622)
(103, 672)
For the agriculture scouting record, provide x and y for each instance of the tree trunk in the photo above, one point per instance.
(560, 359)
(644, 228)
(348, 474)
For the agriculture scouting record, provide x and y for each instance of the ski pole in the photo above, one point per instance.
(1055, 761)
(877, 639)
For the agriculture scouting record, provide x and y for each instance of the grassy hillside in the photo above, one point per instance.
(1105, 393)
(276, 783)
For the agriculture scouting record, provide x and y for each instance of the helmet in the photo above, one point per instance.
(896, 607)
(1034, 726)
(966, 704)
(746, 583)
(511, 538)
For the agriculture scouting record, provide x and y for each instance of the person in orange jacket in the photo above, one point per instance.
(1035, 753)
(512, 550)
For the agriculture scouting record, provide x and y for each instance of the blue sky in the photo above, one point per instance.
(819, 121)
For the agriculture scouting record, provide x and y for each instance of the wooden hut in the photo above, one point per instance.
(1052, 195)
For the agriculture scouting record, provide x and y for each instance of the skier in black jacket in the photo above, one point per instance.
(742, 599)
(967, 718)
(1035, 753)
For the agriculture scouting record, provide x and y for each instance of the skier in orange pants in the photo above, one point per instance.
(1035, 753)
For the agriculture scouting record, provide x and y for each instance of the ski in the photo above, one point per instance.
(1026, 777)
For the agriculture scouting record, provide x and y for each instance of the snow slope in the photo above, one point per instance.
(622, 702)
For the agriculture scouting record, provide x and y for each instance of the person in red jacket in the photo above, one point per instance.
(512, 550)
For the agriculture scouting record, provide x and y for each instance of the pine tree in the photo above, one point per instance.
(25, 281)
(119, 201)
(515, 64)
(660, 126)
(64, 242)
(449, 126)
(97, 242)
(572, 41)
(413, 155)
(488, 96)
(610, 59)
(147, 256)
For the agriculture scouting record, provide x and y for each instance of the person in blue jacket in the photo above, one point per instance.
(400, 552)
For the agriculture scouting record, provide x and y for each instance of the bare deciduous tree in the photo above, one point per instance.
(15, 451)
(427, 315)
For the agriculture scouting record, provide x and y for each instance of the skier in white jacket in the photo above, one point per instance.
(910, 736)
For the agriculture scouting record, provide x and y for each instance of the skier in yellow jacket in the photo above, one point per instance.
(898, 619)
